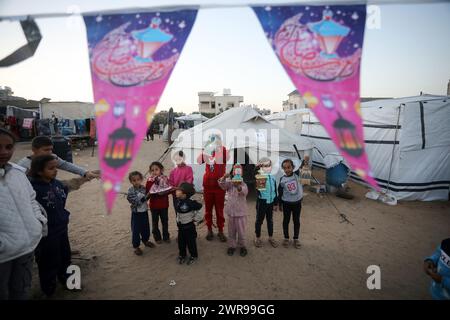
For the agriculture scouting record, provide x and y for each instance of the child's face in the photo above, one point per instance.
(180, 194)
(6, 149)
(42, 151)
(267, 167)
(136, 181)
(287, 168)
(155, 171)
(50, 170)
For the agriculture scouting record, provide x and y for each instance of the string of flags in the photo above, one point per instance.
(132, 56)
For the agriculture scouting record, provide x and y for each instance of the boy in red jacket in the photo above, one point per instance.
(213, 195)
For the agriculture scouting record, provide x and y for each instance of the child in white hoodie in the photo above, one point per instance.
(22, 224)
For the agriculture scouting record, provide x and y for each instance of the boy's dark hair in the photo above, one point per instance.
(180, 153)
(41, 141)
(38, 165)
(158, 164)
(287, 160)
(4, 132)
(187, 188)
(135, 173)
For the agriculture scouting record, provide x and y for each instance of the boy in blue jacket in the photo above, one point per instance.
(437, 266)
(53, 254)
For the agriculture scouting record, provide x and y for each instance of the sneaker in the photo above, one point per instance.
(209, 236)
(243, 252)
(191, 260)
(181, 259)
(297, 244)
(286, 243)
(273, 242)
(222, 237)
(149, 244)
(258, 243)
(230, 251)
(138, 251)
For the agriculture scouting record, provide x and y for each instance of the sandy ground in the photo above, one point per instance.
(331, 264)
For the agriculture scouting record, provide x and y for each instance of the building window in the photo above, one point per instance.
(213, 105)
(218, 104)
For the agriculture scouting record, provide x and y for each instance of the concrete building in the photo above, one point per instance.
(215, 104)
(261, 111)
(294, 101)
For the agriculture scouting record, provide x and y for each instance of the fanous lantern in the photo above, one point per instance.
(237, 173)
(305, 173)
(263, 173)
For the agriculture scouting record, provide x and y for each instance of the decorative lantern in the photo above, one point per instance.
(150, 40)
(305, 172)
(119, 108)
(261, 179)
(329, 33)
(237, 173)
(119, 147)
(348, 141)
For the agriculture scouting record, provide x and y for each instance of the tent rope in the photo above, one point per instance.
(393, 148)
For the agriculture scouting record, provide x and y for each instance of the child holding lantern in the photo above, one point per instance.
(158, 189)
(265, 203)
(235, 209)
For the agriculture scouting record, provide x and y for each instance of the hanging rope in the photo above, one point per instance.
(214, 6)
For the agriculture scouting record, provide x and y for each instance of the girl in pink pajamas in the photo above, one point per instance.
(236, 209)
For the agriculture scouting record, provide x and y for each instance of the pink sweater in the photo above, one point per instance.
(236, 204)
(181, 174)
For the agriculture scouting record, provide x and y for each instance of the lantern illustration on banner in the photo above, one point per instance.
(150, 40)
(119, 109)
(348, 141)
(329, 34)
(119, 147)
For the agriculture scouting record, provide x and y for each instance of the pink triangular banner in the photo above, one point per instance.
(131, 58)
(320, 48)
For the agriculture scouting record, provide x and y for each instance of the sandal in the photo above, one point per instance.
(297, 244)
(209, 236)
(138, 251)
(286, 243)
(258, 243)
(273, 243)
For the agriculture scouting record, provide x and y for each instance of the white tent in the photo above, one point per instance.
(407, 142)
(248, 137)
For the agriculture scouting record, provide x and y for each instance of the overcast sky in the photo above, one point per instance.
(409, 53)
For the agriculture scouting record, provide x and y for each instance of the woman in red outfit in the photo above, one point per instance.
(213, 195)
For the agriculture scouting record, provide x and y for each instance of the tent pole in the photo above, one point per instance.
(393, 147)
